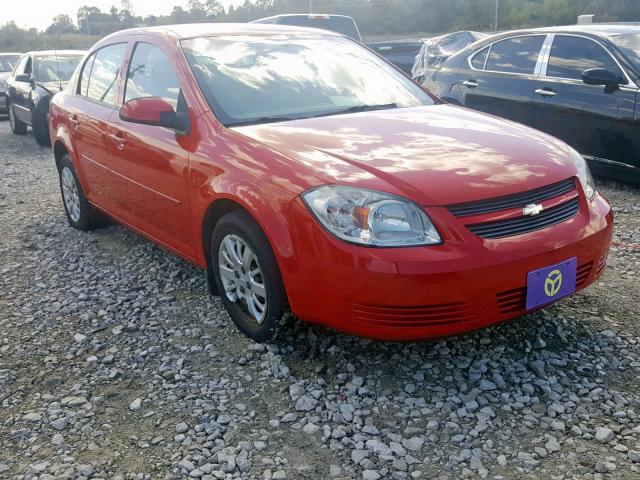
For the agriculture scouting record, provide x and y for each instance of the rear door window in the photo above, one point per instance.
(103, 79)
(570, 56)
(515, 55)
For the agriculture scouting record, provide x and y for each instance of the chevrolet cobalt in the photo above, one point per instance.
(310, 178)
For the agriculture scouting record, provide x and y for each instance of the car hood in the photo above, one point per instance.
(435, 155)
(4, 76)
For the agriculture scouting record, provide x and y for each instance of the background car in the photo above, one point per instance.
(334, 23)
(402, 53)
(7, 62)
(266, 156)
(578, 83)
(34, 80)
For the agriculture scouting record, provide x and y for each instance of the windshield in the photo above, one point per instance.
(7, 62)
(56, 69)
(344, 25)
(250, 80)
(630, 47)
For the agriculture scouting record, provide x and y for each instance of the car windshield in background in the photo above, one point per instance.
(630, 47)
(56, 69)
(7, 62)
(252, 80)
(343, 25)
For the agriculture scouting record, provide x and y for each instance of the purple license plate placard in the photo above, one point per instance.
(551, 283)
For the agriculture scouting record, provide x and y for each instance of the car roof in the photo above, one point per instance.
(605, 29)
(185, 31)
(305, 15)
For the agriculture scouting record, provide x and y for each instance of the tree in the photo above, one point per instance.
(61, 24)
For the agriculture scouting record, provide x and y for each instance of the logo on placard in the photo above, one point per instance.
(552, 283)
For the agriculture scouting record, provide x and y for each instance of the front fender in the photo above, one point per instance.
(266, 207)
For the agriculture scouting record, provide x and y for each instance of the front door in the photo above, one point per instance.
(150, 161)
(594, 122)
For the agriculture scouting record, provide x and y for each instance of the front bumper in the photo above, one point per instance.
(426, 292)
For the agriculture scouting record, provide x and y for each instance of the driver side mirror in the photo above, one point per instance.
(157, 112)
(23, 78)
(602, 76)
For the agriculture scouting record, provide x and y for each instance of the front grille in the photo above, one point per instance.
(518, 200)
(513, 301)
(413, 316)
(520, 225)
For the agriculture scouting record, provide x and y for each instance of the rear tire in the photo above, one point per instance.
(80, 213)
(18, 127)
(40, 127)
(248, 278)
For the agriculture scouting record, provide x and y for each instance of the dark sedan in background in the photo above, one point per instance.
(7, 62)
(34, 80)
(577, 83)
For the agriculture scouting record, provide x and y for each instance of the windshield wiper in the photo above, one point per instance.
(360, 108)
(260, 120)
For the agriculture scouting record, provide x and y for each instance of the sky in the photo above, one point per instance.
(40, 13)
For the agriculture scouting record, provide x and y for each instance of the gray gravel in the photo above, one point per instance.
(115, 363)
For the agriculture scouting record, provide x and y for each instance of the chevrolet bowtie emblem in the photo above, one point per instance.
(532, 209)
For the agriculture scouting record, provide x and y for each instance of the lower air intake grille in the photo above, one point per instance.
(520, 225)
(414, 316)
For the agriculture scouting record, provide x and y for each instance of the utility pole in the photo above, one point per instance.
(496, 20)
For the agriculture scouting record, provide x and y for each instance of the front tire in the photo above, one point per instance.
(40, 127)
(248, 278)
(80, 213)
(18, 127)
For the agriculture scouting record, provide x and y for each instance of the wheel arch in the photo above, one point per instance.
(59, 150)
(270, 222)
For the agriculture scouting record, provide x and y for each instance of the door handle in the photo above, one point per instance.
(546, 92)
(470, 83)
(117, 139)
(75, 123)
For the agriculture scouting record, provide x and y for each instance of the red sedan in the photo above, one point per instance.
(307, 176)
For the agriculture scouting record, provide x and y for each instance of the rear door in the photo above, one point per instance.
(90, 111)
(596, 123)
(500, 78)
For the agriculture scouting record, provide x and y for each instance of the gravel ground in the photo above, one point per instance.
(115, 363)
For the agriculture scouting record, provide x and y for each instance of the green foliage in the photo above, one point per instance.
(374, 17)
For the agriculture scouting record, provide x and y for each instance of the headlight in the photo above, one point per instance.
(368, 217)
(584, 174)
(3, 86)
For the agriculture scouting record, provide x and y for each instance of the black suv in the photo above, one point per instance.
(34, 80)
(578, 83)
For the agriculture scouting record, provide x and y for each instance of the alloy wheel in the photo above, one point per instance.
(70, 193)
(242, 276)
